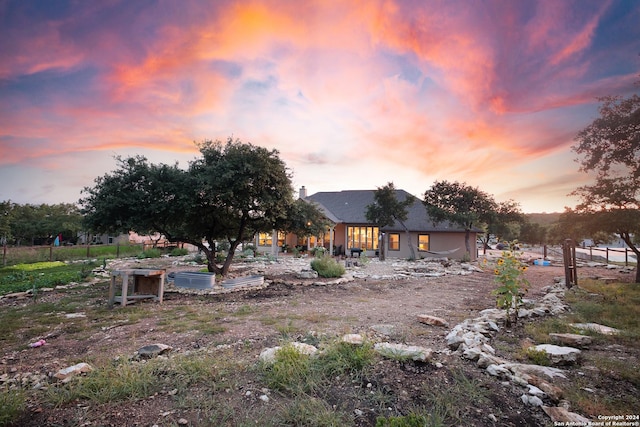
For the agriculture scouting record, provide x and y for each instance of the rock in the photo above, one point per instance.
(264, 398)
(601, 329)
(535, 391)
(268, 355)
(432, 320)
(522, 368)
(497, 371)
(307, 274)
(487, 359)
(571, 339)
(386, 330)
(80, 368)
(554, 392)
(402, 351)
(183, 422)
(531, 400)
(562, 416)
(304, 348)
(559, 355)
(153, 350)
(355, 339)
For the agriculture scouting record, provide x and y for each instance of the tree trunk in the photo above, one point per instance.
(467, 246)
(411, 250)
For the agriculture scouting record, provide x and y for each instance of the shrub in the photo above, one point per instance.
(150, 253)
(179, 252)
(327, 267)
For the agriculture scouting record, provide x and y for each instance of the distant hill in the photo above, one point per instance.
(544, 219)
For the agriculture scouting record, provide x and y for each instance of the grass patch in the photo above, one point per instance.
(12, 405)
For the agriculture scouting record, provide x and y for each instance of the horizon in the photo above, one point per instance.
(353, 94)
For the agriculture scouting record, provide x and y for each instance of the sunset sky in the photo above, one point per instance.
(353, 94)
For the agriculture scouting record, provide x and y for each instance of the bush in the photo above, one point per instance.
(150, 253)
(327, 267)
(179, 252)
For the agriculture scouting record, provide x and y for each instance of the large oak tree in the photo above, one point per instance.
(610, 148)
(233, 191)
(460, 204)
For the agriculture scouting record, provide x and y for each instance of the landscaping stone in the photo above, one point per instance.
(432, 320)
(153, 350)
(67, 373)
(307, 274)
(554, 392)
(402, 351)
(574, 340)
(268, 355)
(562, 416)
(560, 355)
(595, 327)
(355, 339)
(384, 329)
(531, 400)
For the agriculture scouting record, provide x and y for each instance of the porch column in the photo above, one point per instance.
(331, 240)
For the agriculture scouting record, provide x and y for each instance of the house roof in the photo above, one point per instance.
(350, 206)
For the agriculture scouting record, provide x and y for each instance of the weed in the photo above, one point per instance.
(289, 372)
(150, 253)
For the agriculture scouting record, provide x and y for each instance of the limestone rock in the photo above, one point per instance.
(402, 351)
(355, 339)
(153, 350)
(307, 274)
(601, 329)
(531, 400)
(384, 329)
(559, 415)
(574, 340)
(432, 320)
(80, 368)
(268, 355)
(554, 392)
(560, 355)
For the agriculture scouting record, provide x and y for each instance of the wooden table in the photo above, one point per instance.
(147, 283)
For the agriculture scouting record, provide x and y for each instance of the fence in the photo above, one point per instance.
(26, 254)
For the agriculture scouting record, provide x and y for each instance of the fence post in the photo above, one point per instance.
(118, 250)
(569, 257)
(626, 257)
(545, 252)
(607, 255)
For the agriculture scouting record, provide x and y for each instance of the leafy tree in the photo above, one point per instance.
(233, 191)
(610, 148)
(386, 210)
(503, 221)
(533, 233)
(460, 204)
(40, 223)
(304, 219)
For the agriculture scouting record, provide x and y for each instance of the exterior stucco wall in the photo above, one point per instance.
(438, 242)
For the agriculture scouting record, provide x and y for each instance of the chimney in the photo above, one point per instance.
(303, 192)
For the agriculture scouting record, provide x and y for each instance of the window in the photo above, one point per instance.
(362, 237)
(265, 239)
(394, 241)
(423, 242)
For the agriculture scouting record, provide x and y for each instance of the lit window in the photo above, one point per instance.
(264, 239)
(423, 242)
(394, 241)
(362, 237)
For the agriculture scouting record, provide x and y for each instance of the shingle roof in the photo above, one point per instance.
(350, 206)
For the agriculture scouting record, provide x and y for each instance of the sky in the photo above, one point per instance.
(353, 94)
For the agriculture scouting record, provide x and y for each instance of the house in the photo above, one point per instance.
(351, 232)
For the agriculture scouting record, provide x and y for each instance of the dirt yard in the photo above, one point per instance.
(240, 324)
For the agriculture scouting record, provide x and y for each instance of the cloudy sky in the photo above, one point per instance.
(353, 94)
